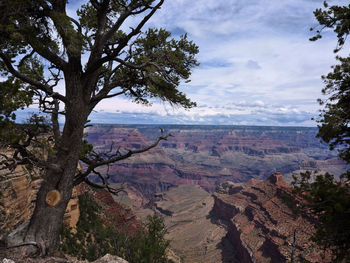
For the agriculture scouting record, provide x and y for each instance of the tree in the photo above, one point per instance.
(326, 198)
(334, 122)
(43, 47)
(328, 201)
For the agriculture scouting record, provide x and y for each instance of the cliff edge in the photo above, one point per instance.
(261, 226)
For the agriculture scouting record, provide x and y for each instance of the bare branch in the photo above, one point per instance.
(107, 187)
(98, 159)
(149, 63)
(38, 85)
(43, 51)
(116, 26)
(77, 24)
(104, 95)
(97, 47)
(94, 65)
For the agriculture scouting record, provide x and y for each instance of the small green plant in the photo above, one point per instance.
(92, 239)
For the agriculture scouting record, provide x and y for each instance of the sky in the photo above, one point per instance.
(257, 65)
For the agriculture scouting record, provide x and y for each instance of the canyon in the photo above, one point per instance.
(240, 222)
(210, 155)
(218, 189)
(225, 180)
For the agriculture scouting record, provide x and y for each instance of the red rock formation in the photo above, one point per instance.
(112, 212)
(261, 225)
(18, 191)
(210, 155)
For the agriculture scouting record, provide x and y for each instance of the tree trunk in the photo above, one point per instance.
(46, 223)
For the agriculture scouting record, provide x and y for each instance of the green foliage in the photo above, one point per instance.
(167, 62)
(86, 148)
(30, 132)
(13, 96)
(336, 18)
(334, 123)
(149, 244)
(290, 201)
(326, 198)
(92, 239)
(329, 202)
(334, 119)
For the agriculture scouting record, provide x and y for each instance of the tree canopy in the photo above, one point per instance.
(334, 121)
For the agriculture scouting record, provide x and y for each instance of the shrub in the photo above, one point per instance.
(92, 239)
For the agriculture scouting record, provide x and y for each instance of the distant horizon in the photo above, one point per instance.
(177, 124)
(98, 118)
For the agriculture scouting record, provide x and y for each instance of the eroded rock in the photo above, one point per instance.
(261, 226)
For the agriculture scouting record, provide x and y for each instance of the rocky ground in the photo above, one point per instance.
(261, 226)
(64, 259)
(195, 235)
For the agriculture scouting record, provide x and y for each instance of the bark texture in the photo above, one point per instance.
(46, 223)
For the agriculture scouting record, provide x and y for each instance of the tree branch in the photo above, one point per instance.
(46, 53)
(21, 62)
(94, 65)
(104, 186)
(28, 150)
(38, 85)
(98, 160)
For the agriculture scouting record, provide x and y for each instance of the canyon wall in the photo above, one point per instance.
(261, 226)
(210, 155)
(18, 191)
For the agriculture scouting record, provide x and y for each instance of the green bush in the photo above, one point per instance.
(92, 239)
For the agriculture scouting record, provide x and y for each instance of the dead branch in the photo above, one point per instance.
(95, 159)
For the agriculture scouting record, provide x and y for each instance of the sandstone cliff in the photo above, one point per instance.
(261, 226)
(18, 191)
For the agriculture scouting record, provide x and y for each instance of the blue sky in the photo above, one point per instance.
(257, 65)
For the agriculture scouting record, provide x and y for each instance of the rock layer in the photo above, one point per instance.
(210, 155)
(261, 225)
(18, 191)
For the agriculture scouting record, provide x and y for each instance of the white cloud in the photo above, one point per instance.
(258, 66)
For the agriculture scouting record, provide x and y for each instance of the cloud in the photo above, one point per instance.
(251, 64)
(257, 65)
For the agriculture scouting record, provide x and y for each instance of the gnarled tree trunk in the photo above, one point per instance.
(46, 223)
